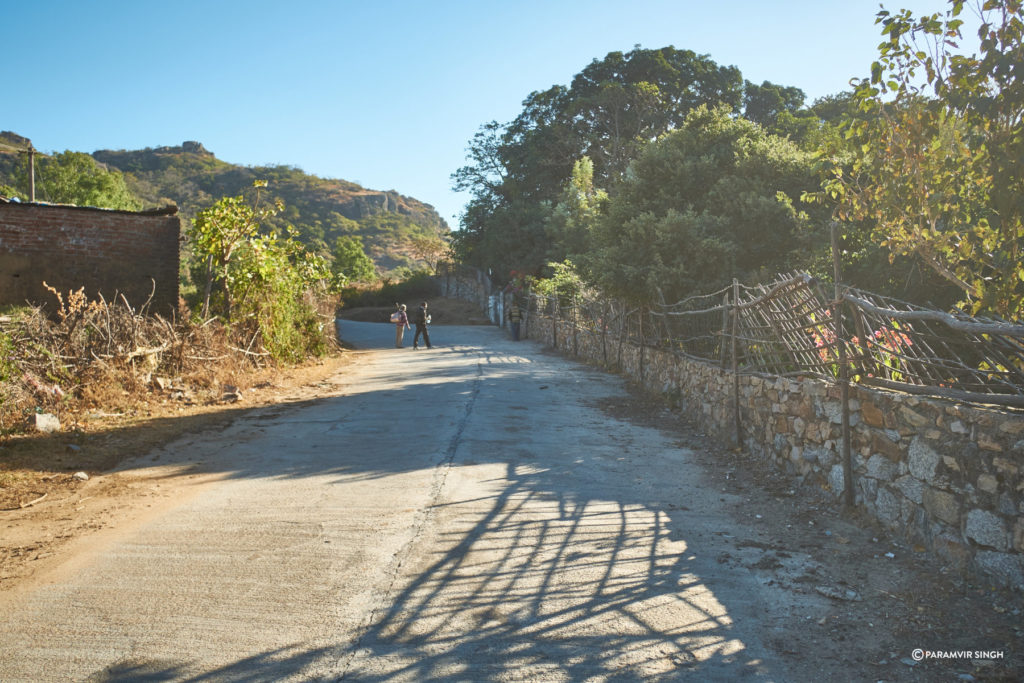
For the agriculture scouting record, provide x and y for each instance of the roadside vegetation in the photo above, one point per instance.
(254, 299)
(659, 173)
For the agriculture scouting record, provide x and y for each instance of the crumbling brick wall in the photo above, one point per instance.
(108, 252)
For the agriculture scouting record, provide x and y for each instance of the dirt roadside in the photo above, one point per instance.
(59, 489)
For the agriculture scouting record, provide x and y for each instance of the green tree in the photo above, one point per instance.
(271, 284)
(350, 261)
(275, 283)
(710, 201)
(218, 231)
(76, 178)
(763, 104)
(572, 221)
(937, 154)
(613, 108)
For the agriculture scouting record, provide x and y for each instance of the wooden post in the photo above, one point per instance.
(575, 326)
(722, 351)
(844, 370)
(664, 312)
(554, 322)
(31, 173)
(604, 330)
(643, 313)
(735, 362)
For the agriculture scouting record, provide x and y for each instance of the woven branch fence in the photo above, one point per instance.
(798, 326)
(793, 327)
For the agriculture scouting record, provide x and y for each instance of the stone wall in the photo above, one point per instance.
(105, 251)
(944, 475)
(468, 284)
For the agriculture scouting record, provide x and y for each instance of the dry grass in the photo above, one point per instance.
(119, 380)
(94, 355)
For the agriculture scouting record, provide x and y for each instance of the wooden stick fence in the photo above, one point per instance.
(791, 328)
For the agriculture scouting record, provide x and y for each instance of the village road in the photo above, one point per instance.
(471, 512)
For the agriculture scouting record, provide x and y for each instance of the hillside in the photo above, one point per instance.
(321, 209)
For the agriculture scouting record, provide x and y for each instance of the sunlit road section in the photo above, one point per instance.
(469, 512)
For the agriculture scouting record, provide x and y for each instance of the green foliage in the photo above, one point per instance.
(8, 359)
(505, 236)
(579, 207)
(351, 264)
(219, 230)
(708, 202)
(270, 281)
(935, 154)
(517, 172)
(763, 104)
(76, 178)
(565, 282)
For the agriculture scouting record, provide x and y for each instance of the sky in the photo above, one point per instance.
(384, 93)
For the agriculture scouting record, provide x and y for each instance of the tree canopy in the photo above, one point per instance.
(935, 158)
(710, 201)
(76, 178)
(612, 109)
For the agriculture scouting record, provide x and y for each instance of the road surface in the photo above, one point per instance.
(468, 512)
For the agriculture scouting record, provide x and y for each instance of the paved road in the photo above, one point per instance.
(463, 513)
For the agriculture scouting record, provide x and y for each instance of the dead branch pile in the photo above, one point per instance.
(98, 352)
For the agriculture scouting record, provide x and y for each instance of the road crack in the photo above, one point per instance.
(420, 521)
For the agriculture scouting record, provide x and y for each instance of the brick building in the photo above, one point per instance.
(106, 251)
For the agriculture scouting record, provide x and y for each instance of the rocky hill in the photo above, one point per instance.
(321, 209)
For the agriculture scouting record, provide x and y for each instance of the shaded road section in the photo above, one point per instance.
(462, 513)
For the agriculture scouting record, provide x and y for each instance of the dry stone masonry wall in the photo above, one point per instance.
(944, 475)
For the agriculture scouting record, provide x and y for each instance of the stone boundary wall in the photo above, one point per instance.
(468, 284)
(108, 252)
(945, 475)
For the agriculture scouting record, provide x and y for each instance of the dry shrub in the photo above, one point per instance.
(95, 354)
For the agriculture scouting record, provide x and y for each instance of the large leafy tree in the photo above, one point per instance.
(350, 261)
(76, 178)
(612, 109)
(937, 160)
(710, 201)
(763, 103)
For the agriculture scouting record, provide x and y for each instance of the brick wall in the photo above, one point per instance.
(108, 252)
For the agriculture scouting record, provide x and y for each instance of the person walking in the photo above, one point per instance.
(515, 318)
(422, 319)
(401, 325)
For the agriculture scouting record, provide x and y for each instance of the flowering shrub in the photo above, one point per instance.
(884, 345)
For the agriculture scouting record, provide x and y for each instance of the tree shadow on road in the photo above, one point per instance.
(559, 585)
(572, 564)
(268, 666)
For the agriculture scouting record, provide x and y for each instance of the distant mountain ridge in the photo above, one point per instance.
(321, 209)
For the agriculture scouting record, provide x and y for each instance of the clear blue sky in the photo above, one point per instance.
(380, 92)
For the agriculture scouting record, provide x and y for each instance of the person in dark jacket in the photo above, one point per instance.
(422, 319)
(515, 318)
